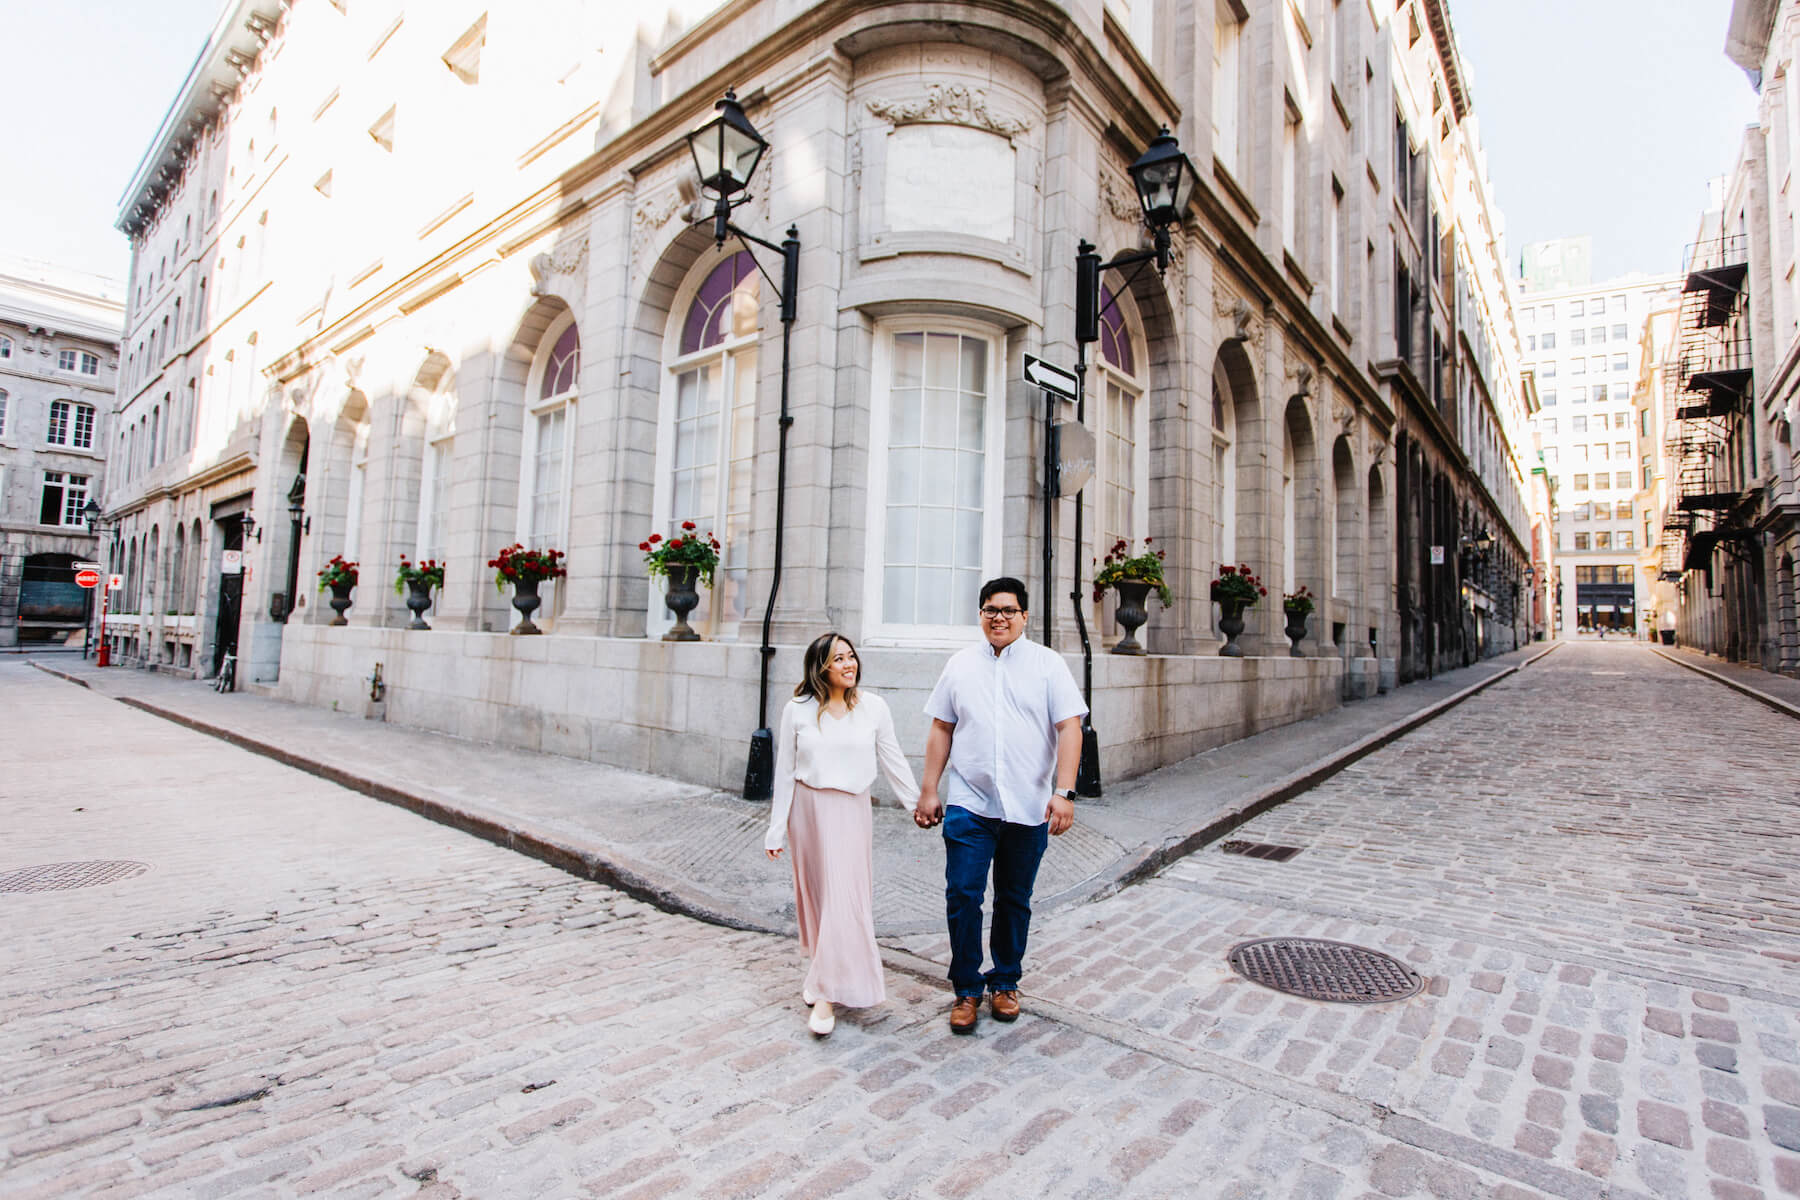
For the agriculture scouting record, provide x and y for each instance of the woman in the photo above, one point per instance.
(832, 737)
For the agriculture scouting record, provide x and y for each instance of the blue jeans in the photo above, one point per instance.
(971, 845)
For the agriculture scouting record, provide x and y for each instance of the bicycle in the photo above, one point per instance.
(226, 680)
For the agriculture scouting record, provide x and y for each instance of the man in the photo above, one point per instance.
(1006, 721)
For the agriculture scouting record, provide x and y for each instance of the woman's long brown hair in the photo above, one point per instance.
(813, 681)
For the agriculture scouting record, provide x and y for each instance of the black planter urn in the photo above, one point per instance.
(340, 601)
(526, 600)
(682, 598)
(418, 599)
(1296, 633)
(1231, 624)
(1133, 611)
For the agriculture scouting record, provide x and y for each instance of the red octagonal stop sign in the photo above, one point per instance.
(87, 579)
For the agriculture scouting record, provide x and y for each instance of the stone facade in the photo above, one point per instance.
(1739, 598)
(59, 356)
(446, 343)
(1585, 345)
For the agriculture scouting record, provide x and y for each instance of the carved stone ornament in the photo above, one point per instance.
(1120, 199)
(1246, 325)
(657, 211)
(949, 104)
(1381, 449)
(565, 259)
(1302, 375)
(1344, 413)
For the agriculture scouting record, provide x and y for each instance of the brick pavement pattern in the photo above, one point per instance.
(313, 993)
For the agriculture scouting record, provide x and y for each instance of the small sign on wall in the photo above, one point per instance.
(232, 563)
(1437, 556)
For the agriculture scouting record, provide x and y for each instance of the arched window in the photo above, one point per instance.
(131, 578)
(152, 577)
(178, 573)
(155, 433)
(359, 473)
(555, 388)
(192, 590)
(2, 412)
(707, 436)
(1290, 521)
(5, 347)
(1224, 506)
(1124, 428)
(434, 486)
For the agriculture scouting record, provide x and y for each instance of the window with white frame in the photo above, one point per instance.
(1124, 435)
(65, 360)
(1224, 506)
(554, 384)
(706, 438)
(63, 498)
(90, 363)
(2, 412)
(1137, 16)
(5, 347)
(359, 475)
(71, 424)
(935, 477)
(434, 489)
(1228, 37)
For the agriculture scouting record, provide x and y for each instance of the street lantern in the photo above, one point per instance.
(90, 512)
(1165, 180)
(726, 152)
(248, 525)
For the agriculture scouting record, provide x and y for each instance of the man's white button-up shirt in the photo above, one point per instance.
(1005, 708)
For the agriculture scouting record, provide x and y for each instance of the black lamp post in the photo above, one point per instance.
(726, 152)
(90, 512)
(298, 522)
(1165, 180)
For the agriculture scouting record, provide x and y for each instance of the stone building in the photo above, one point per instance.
(1584, 343)
(449, 283)
(1736, 505)
(59, 356)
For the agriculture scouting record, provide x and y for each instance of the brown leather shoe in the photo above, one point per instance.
(1005, 1006)
(964, 1013)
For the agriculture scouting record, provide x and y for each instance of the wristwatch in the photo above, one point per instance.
(1067, 794)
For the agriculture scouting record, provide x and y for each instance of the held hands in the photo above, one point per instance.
(1060, 813)
(929, 812)
(773, 854)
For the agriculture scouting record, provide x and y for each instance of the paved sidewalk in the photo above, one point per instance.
(692, 850)
(1779, 692)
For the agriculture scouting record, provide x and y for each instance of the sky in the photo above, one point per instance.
(1603, 117)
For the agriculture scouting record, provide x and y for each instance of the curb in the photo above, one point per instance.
(1143, 863)
(602, 864)
(63, 675)
(1780, 706)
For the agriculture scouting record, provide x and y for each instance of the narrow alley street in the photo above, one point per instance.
(310, 992)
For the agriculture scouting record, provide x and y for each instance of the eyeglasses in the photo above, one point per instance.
(994, 614)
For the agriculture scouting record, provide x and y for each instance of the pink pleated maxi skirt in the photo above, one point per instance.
(829, 838)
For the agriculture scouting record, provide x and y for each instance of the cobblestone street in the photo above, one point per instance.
(310, 992)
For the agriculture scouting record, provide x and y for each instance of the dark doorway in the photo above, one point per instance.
(231, 595)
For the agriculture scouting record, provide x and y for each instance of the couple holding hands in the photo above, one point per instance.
(1000, 763)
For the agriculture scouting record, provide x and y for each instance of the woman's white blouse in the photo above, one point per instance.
(839, 753)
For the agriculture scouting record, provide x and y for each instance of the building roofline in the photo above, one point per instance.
(1437, 15)
(1747, 35)
(238, 36)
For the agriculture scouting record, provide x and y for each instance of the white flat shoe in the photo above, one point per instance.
(823, 1020)
(808, 997)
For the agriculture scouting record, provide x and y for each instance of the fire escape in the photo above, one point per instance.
(1712, 390)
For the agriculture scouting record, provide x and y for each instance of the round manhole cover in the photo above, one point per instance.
(1321, 970)
(60, 877)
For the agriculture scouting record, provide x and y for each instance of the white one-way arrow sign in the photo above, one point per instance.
(1039, 373)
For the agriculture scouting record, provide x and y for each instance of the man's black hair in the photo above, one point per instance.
(1006, 583)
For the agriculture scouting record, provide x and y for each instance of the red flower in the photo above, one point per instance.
(675, 545)
(655, 537)
(1262, 591)
(643, 545)
(688, 525)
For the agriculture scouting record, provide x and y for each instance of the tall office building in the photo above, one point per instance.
(1583, 342)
